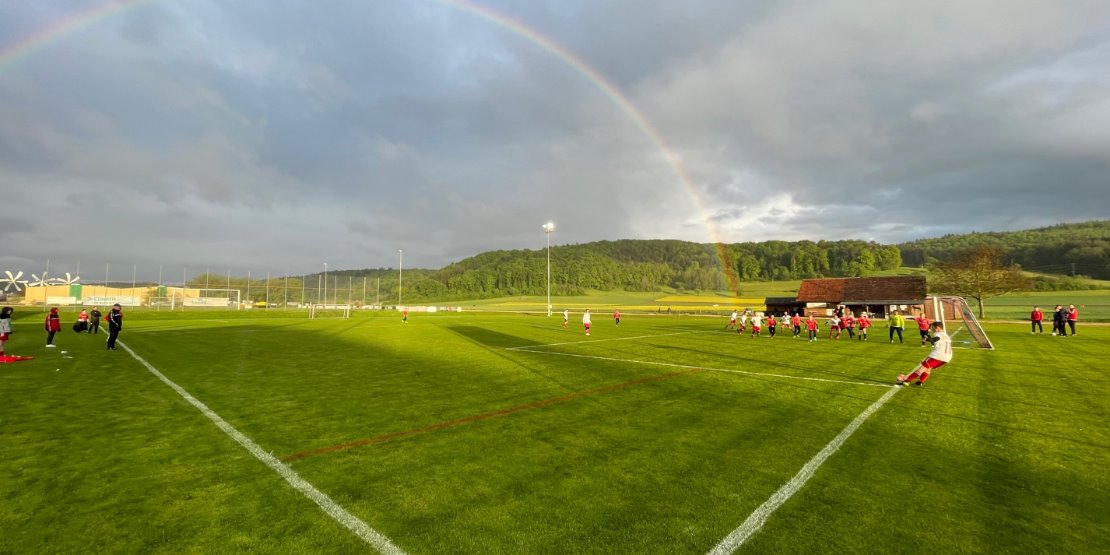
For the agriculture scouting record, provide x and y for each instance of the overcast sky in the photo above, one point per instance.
(275, 136)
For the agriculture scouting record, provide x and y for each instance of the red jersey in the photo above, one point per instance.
(796, 320)
(771, 321)
(811, 325)
(923, 323)
(864, 322)
(1036, 315)
(1073, 314)
(53, 322)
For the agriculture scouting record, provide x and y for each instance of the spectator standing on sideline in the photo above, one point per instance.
(939, 356)
(1073, 315)
(586, 321)
(53, 325)
(94, 320)
(1059, 317)
(923, 328)
(5, 327)
(896, 322)
(616, 317)
(566, 317)
(115, 325)
(1035, 319)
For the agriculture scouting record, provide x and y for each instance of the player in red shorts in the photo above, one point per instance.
(939, 356)
(834, 327)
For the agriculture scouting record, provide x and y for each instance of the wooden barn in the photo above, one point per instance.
(878, 296)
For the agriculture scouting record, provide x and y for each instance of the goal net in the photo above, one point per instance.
(329, 311)
(955, 310)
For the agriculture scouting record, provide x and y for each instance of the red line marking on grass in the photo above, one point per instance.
(484, 416)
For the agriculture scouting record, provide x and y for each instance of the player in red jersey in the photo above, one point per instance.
(848, 323)
(923, 328)
(863, 323)
(1035, 320)
(811, 326)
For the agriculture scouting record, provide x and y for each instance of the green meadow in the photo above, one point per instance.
(490, 431)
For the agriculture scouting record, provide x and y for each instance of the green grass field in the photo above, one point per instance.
(504, 433)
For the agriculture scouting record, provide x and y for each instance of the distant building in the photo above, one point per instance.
(877, 296)
(784, 305)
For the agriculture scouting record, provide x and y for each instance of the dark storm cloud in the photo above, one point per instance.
(274, 136)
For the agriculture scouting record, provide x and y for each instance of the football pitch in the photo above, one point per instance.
(505, 433)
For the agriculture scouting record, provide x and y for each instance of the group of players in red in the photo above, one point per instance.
(841, 320)
(855, 326)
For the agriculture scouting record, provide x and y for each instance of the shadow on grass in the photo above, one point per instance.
(489, 338)
(806, 370)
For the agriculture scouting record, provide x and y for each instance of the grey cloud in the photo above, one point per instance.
(274, 136)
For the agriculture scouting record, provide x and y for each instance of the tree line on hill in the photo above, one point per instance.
(654, 265)
(1081, 249)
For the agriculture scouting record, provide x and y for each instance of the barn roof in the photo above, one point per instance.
(838, 290)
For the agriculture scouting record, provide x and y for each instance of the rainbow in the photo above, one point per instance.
(31, 43)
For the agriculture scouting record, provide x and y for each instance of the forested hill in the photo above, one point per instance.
(647, 265)
(1082, 249)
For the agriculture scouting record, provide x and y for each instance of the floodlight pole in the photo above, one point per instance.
(547, 229)
(400, 269)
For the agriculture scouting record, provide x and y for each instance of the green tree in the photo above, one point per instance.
(978, 273)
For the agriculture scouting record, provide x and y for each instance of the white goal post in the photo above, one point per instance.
(329, 311)
(956, 310)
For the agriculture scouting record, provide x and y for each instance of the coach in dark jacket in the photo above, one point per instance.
(1059, 322)
(115, 324)
(94, 320)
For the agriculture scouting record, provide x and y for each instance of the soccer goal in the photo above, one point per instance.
(953, 310)
(205, 298)
(329, 311)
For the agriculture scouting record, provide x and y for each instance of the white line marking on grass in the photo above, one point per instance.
(526, 347)
(755, 521)
(707, 369)
(333, 509)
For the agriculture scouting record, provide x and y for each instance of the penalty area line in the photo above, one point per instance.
(759, 517)
(329, 506)
(691, 366)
